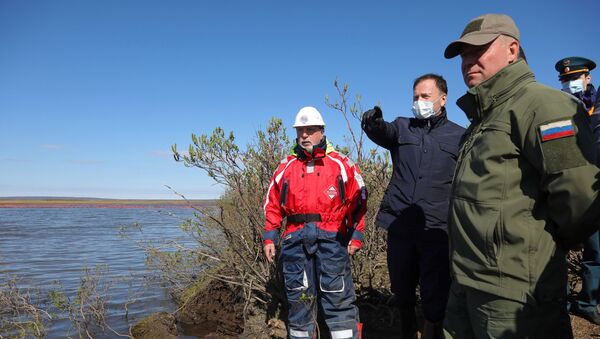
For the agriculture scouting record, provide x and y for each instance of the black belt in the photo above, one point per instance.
(302, 218)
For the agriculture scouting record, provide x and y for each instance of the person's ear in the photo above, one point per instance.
(513, 51)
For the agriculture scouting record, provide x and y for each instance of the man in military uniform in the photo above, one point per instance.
(574, 75)
(525, 189)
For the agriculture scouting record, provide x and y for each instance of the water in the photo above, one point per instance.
(43, 245)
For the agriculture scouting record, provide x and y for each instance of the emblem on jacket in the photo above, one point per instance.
(557, 130)
(331, 192)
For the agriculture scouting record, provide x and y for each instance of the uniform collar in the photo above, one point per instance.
(495, 90)
(588, 96)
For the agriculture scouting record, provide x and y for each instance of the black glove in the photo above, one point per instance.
(371, 115)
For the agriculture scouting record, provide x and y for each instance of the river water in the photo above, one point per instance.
(42, 246)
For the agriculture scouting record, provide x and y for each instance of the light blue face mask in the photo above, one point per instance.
(573, 86)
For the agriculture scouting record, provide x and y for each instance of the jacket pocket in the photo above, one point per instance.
(332, 276)
(341, 188)
(451, 149)
(444, 163)
(475, 234)
(495, 238)
(284, 193)
(295, 277)
(407, 139)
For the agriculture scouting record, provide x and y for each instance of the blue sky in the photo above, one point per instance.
(93, 93)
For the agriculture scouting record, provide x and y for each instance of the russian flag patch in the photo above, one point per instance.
(557, 130)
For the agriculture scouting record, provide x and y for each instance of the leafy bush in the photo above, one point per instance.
(230, 235)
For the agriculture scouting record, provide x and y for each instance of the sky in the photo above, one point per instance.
(94, 93)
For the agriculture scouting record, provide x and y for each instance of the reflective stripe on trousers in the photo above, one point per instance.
(314, 258)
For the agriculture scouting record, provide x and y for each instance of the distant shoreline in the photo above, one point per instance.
(102, 203)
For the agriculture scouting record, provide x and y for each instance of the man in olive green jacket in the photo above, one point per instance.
(525, 189)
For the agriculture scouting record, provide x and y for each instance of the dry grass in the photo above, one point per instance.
(584, 329)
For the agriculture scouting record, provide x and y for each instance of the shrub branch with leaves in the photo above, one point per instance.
(29, 313)
(230, 235)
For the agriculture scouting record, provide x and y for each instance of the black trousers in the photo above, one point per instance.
(419, 256)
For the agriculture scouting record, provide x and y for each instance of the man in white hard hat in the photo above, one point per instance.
(321, 194)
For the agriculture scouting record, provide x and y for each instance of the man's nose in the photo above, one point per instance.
(467, 61)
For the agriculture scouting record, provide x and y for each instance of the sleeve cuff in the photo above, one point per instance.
(357, 238)
(356, 243)
(270, 236)
(358, 235)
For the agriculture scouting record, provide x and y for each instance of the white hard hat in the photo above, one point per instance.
(308, 116)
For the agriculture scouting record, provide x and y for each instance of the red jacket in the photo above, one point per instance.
(325, 186)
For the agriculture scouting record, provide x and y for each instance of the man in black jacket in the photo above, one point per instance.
(415, 206)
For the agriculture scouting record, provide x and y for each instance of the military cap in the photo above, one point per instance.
(574, 65)
(481, 31)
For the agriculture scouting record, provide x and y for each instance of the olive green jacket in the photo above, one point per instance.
(517, 200)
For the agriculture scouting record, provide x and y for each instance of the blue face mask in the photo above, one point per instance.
(573, 86)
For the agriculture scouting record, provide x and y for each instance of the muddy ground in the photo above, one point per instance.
(217, 312)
